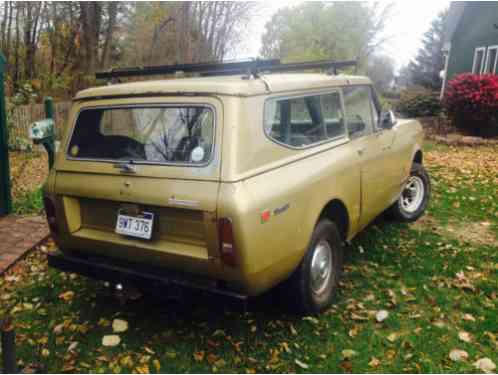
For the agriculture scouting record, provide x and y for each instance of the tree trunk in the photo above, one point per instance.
(90, 21)
(112, 11)
(16, 53)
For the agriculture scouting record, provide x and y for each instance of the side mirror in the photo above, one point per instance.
(387, 120)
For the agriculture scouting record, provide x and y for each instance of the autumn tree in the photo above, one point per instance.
(56, 47)
(380, 69)
(321, 30)
(425, 68)
(186, 32)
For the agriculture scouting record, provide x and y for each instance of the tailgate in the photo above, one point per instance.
(166, 178)
(184, 215)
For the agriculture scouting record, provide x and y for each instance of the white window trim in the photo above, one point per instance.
(487, 68)
(481, 68)
(445, 74)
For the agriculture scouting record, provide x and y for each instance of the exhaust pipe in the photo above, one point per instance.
(126, 292)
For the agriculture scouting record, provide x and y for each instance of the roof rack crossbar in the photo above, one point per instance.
(252, 67)
(201, 68)
(327, 65)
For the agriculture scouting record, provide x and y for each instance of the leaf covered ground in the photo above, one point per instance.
(28, 171)
(414, 298)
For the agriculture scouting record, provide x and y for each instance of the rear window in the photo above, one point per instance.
(304, 121)
(144, 134)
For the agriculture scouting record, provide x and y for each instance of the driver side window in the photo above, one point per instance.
(357, 105)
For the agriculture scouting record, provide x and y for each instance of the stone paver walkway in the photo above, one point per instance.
(18, 234)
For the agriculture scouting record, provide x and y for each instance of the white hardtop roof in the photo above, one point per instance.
(225, 85)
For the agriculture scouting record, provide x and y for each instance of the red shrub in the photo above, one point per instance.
(471, 102)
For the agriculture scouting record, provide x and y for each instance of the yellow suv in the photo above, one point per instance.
(235, 182)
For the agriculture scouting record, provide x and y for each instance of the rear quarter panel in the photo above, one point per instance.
(294, 185)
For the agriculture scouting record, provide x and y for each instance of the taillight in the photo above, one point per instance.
(228, 251)
(50, 212)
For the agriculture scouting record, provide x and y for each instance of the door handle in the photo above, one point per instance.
(361, 150)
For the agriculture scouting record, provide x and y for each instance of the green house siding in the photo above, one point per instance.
(475, 29)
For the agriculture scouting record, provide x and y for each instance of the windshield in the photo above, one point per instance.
(149, 134)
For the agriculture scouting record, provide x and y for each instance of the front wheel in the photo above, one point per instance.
(313, 284)
(414, 198)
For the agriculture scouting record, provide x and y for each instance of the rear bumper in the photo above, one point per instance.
(118, 271)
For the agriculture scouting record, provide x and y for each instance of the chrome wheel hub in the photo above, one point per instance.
(321, 267)
(413, 194)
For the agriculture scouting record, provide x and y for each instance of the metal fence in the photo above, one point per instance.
(20, 117)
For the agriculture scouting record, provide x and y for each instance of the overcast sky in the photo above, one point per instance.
(409, 21)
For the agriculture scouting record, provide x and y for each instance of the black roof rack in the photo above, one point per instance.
(252, 67)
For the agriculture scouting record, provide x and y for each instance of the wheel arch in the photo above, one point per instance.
(418, 157)
(335, 210)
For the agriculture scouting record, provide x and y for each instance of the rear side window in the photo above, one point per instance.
(147, 134)
(304, 121)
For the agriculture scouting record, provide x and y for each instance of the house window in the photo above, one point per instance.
(478, 65)
(491, 59)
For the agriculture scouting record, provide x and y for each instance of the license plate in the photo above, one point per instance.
(136, 226)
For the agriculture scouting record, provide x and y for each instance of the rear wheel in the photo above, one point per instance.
(313, 284)
(414, 198)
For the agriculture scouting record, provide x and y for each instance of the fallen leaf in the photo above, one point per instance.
(212, 358)
(157, 365)
(439, 324)
(458, 355)
(355, 316)
(103, 322)
(142, 369)
(485, 364)
(220, 363)
(381, 315)
(58, 328)
(301, 364)
(67, 296)
(146, 358)
(149, 350)
(393, 336)
(199, 356)
(293, 330)
(219, 332)
(286, 347)
(348, 353)
(311, 319)
(353, 332)
(465, 336)
(469, 318)
(119, 325)
(111, 340)
(171, 355)
(374, 362)
(390, 354)
(126, 361)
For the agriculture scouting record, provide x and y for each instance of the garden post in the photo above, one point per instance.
(8, 344)
(49, 144)
(5, 197)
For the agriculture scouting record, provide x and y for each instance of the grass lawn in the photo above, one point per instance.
(437, 279)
